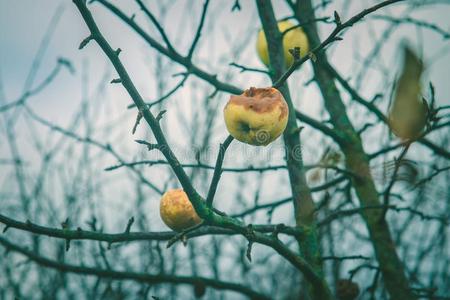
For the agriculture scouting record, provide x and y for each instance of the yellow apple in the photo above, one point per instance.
(177, 211)
(257, 117)
(293, 38)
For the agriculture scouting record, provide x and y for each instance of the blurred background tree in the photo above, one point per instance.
(365, 214)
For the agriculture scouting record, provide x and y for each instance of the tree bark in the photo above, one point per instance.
(357, 161)
(303, 202)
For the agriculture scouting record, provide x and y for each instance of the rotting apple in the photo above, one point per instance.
(295, 37)
(177, 211)
(257, 117)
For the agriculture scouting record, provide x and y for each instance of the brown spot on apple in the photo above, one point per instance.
(261, 100)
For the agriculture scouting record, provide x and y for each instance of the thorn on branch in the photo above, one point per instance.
(85, 42)
(297, 130)
(65, 224)
(130, 222)
(5, 229)
(67, 245)
(337, 19)
(376, 97)
(213, 94)
(150, 146)
(117, 80)
(117, 52)
(109, 246)
(248, 254)
(250, 235)
(136, 123)
(160, 115)
(180, 74)
(132, 17)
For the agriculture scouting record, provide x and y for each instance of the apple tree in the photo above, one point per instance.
(299, 149)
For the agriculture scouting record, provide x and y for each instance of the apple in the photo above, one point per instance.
(257, 117)
(293, 38)
(177, 211)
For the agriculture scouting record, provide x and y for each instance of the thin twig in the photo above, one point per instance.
(199, 30)
(330, 39)
(218, 170)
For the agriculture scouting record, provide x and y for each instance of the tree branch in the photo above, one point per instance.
(175, 56)
(110, 238)
(303, 203)
(331, 38)
(357, 160)
(123, 275)
(217, 170)
(199, 30)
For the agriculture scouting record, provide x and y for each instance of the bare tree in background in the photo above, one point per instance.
(366, 215)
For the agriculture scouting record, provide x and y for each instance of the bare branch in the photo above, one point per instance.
(218, 170)
(122, 275)
(331, 38)
(199, 30)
